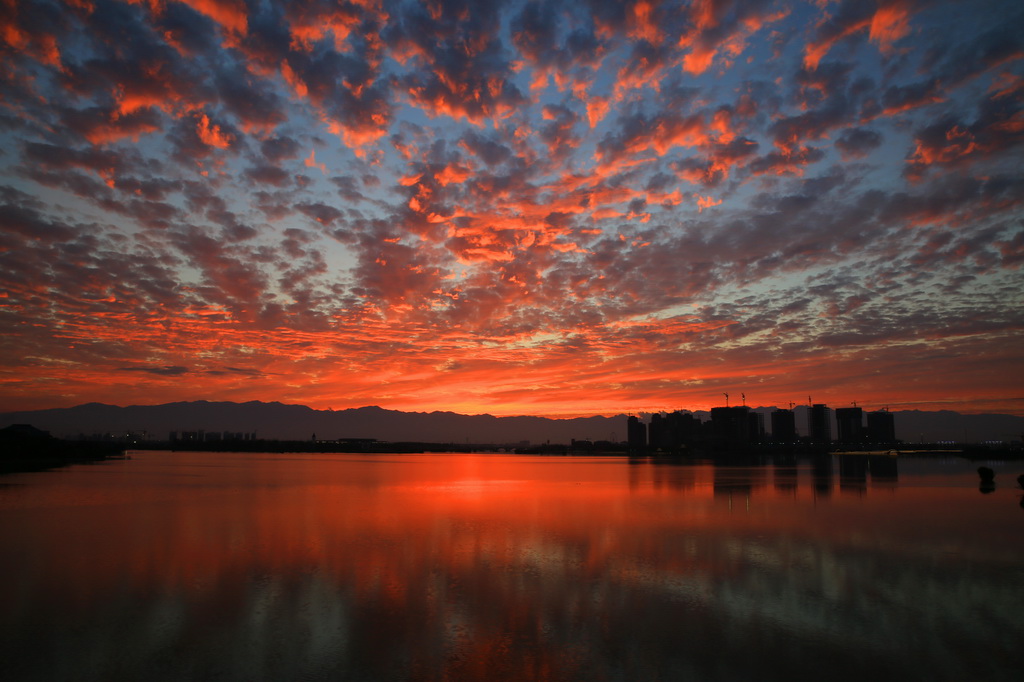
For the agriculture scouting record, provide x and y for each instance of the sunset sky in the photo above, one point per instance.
(557, 208)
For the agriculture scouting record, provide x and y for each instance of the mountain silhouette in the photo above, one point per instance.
(297, 422)
(276, 420)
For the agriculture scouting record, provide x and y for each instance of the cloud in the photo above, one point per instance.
(412, 203)
(718, 28)
(640, 135)
(166, 370)
(951, 142)
(268, 174)
(885, 21)
(321, 213)
(231, 15)
(22, 217)
(857, 143)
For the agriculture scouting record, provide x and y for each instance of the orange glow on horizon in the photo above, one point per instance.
(500, 377)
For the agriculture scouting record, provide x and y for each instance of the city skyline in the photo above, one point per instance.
(277, 421)
(560, 209)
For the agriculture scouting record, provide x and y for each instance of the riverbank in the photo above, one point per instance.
(24, 448)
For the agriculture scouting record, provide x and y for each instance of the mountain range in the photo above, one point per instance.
(276, 420)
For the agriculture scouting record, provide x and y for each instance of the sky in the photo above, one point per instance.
(554, 208)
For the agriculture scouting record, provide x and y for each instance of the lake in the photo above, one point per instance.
(214, 566)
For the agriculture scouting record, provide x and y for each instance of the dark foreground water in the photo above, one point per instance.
(201, 566)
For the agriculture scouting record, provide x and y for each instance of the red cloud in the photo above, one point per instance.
(41, 46)
(657, 135)
(888, 23)
(312, 163)
(706, 202)
(101, 127)
(597, 109)
(721, 27)
(644, 24)
(496, 260)
(308, 27)
(232, 15)
(211, 134)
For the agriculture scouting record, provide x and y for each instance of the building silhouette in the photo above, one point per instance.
(850, 425)
(784, 426)
(673, 431)
(736, 427)
(686, 429)
(659, 433)
(756, 424)
(820, 423)
(881, 427)
(636, 434)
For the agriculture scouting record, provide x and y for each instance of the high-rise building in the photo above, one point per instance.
(636, 434)
(687, 427)
(732, 427)
(881, 427)
(850, 425)
(755, 426)
(658, 433)
(672, 431)
(784, 426)
(821, 424)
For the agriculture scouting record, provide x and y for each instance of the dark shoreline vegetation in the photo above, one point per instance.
(56, 454)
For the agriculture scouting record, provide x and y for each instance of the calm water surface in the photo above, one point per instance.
(173, 566)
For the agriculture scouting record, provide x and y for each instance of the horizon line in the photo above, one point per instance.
(559, 417)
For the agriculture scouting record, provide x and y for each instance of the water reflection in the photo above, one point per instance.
(987, 483)
(476, 567)
(822, 468)
(785, 474)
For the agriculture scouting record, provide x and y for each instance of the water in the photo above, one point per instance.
(199, 566)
